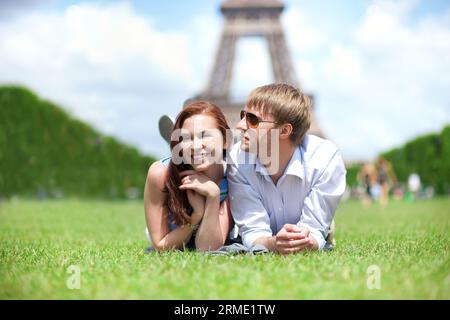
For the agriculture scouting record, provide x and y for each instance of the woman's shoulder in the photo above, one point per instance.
(157, 174)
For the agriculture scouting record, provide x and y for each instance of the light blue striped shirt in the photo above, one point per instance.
(307, 194)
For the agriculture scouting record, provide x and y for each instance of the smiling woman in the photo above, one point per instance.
(185, 197)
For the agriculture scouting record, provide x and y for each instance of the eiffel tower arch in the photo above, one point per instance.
(249, 18)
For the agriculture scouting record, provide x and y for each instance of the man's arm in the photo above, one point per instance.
(320, 205)
(247, 208)
(289, 239)
(253, 220)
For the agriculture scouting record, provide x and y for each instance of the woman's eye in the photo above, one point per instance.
(185, 139)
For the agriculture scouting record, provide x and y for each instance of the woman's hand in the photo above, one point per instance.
(197, 202)
(198, 182)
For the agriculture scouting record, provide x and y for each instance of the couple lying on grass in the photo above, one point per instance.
(279, 187)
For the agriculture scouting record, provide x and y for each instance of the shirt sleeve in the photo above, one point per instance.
(320, 205)
(247, 208)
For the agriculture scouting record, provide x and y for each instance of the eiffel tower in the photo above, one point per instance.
(249, 18)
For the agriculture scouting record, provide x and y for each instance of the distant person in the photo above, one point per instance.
(385, 178)
(414, 184)
(186, 195)
(367, 176)
(398, 193)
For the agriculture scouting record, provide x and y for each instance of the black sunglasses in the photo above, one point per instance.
(252, 119)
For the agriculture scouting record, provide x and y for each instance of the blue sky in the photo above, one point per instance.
(343, 14)
(379, 69)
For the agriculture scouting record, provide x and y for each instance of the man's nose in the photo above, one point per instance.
(242, 124)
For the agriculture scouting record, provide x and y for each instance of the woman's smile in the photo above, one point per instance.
(199, 157)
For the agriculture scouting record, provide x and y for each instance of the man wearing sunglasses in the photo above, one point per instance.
(284, 184)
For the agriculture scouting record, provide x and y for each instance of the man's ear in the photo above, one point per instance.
(285, 130)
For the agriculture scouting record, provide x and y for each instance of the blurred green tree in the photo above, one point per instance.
(46, 152)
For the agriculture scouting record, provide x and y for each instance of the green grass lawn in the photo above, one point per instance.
(410, 243)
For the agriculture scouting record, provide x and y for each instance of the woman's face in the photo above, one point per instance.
(202, 143)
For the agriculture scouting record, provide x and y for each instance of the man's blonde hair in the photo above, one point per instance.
(285, 104)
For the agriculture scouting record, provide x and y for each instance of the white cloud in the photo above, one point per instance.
(204, 35)
(386, 85)
(104, 63)
(303, 35)
(385, 82)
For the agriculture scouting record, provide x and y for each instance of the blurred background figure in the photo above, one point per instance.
(367, 177)
(414, 185)
(386, 179)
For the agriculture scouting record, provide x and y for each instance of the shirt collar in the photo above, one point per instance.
(260, 168)
(294, 166)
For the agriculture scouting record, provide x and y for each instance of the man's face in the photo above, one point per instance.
(256, 129)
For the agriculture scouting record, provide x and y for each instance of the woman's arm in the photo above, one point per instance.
(156, 212)
(215, 226)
